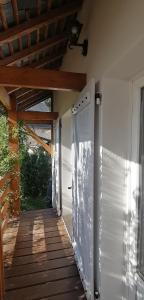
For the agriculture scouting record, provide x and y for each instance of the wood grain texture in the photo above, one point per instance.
(33, 24)
(50, 274)
(36, 115)
(41, 79)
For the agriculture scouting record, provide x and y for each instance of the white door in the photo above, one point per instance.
(57, 158)
(83, 185)
(136, 206)
(66, 156)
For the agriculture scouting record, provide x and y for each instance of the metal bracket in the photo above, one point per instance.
(98, 98)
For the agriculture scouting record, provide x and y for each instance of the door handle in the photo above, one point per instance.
(69, 187)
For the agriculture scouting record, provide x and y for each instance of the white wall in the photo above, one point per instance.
(115, 30)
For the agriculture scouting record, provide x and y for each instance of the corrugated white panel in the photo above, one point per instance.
(66, 144)
(83, 186)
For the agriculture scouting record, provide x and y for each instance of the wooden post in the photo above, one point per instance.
(2, 285)
(14, 149)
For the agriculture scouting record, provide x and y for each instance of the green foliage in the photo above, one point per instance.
(7, 159)
(35, 173)
(35, 167)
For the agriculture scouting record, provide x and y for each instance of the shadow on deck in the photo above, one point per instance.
(39, 261)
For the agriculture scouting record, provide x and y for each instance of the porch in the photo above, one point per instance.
(39, 260)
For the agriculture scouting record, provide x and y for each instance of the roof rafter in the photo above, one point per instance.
(35, 23)
(11, 60)
(35, 99)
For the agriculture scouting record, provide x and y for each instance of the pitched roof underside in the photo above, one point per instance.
(35, 33)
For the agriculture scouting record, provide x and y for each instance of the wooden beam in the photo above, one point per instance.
(2, 282)
(38, 2)
(48, 59)
(32, 102)
(15, 10)
(49, 4)
(25, 97)
(14, 148)
(25, 53)
(47, 148)
(41, 79)
(33, 116)
(4, 98)
(35, 23)
(3, 18)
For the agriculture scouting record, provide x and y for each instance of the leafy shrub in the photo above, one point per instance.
(35, 173)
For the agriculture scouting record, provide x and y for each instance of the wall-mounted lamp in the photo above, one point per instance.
(75, 31)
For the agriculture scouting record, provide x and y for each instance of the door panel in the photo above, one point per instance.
(58, 167)
(66, 135)
(83, 186)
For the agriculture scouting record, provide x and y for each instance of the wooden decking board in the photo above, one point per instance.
(40, 249)
(45, 290)
(41, 277)
(36, 243)
(29, 237)
(78, 295)
(15, 271)
(39, 257)
(39, 261)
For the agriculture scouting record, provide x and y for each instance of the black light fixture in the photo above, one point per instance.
(74, 34)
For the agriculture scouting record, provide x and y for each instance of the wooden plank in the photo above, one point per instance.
(47, 289)
(49, 4)
(41, 79)
(72, 295)
(44, 256)
(14, 148)
(38, 2)
(28, 52)
(40, 266)
(15, 10)
(47, 148)
(4, 180)
(35, 23)
(4, 98)
(3, 18)
(40, 278)
(31, 103)
(36, 115)
(41, 63)
(2, 282)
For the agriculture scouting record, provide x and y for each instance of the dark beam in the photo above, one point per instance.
(41, 79)
(35, 23)
(34, 116)
(25, 53)
(33, 101)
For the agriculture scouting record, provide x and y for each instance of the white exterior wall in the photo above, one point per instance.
(115, 30)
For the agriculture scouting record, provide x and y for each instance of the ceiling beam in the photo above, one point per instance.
(47, 60)
(39, 64)
(32, 94)
(33, 101)
(35, 23)
(25, 53)
(34, 116)
(41, 79)
(5, 98)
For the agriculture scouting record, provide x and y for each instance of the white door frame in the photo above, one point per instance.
(136, 284)
(94, 284)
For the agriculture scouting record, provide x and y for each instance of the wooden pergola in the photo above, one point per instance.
(32, 48)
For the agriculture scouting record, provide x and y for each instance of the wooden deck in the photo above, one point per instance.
(39, 261)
